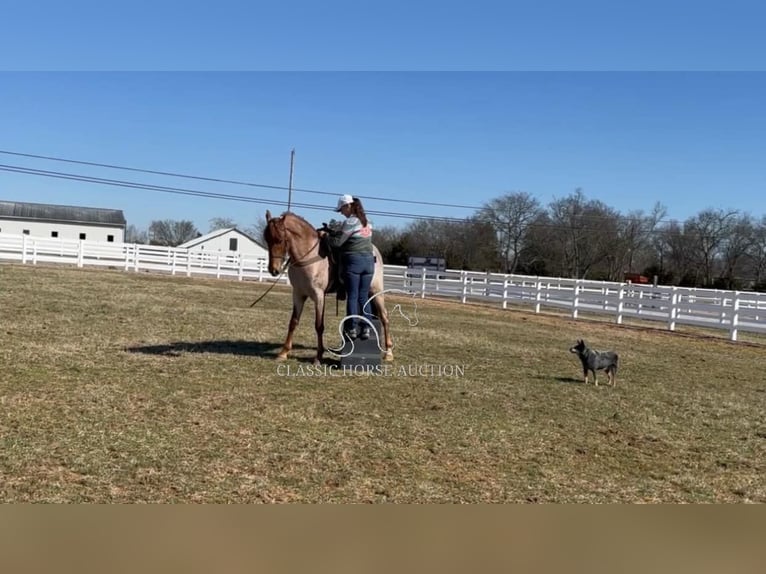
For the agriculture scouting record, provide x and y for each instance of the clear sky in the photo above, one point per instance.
(352, 98)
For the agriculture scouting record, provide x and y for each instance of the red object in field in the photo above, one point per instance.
(636, 278)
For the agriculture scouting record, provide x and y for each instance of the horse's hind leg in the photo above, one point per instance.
(298, 303)
(380, 306)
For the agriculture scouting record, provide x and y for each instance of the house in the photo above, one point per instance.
(62, 221)
(229, 240)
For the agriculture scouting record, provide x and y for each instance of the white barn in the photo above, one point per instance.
(229, 241)
(62, 221)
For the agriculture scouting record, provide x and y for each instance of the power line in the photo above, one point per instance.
(213, 195)
(244, 198)
(282, 188)
(228, 181)
(203, 194)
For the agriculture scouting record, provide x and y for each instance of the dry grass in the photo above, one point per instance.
(117, 387)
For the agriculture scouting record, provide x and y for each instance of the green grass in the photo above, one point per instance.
(122, 387)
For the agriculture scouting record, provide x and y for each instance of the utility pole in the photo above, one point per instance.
(290, 188)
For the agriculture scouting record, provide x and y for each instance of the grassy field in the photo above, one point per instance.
(120, 387)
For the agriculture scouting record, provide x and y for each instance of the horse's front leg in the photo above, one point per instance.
(298, 303)
(319, 326)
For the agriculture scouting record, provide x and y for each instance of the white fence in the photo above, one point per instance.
(732, 311)
(130, 257)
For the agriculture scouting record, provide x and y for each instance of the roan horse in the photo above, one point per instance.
(289, 235)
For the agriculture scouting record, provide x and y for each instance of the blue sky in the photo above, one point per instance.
(362, 35)
(439, 102)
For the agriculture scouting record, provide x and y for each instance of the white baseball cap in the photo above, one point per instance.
(344, 200)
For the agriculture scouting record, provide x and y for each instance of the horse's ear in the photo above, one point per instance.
(268, 216)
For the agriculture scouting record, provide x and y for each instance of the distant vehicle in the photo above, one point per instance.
(415, 266)
(636, 278)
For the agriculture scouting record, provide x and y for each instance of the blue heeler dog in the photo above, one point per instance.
(594, 361)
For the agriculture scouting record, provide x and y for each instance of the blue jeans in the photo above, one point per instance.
(358, 269)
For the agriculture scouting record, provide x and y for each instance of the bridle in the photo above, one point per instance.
(285, 258)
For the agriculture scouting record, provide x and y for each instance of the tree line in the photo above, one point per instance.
(585, 238)
(573, 236)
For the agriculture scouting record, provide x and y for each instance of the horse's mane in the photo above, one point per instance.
(299, 218)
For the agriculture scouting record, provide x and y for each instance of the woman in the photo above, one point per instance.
(353, 240)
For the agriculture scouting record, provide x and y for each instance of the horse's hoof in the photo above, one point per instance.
(317, 362)
(281, 357)
(388, 356)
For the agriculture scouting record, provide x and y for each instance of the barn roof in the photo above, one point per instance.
(61, 213)
(213, 234)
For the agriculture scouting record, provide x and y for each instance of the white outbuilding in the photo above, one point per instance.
(229, 241)
(62, 221)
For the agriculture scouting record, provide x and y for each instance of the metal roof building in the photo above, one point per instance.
(62, 221)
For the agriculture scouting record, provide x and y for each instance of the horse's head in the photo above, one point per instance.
(277, 239)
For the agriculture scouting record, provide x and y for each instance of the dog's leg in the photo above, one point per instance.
(586, 376)
(595, 378)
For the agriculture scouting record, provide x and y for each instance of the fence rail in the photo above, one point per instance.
(733, 311)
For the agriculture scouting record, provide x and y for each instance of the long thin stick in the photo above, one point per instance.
(290, 188)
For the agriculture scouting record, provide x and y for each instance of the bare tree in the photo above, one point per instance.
(585, 230)
(134, 235)
(735, 248)
(171, 233)
(467, 244)
(217, 223)
(637, 234)
(510, 216)
(256, 229)
(709, 229)
(390, 242)
(757, 254)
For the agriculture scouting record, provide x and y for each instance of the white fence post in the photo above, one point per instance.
(136, 255)
(505, 292)
(423, 284)
(576, 298)
(733, 328)
(464, 278)
(80, 253)
(34, 252)
(673, 311)
(126, 251)
(241, 267)
(173, 263)
(23, 249)
(538, 294)
(620, 303)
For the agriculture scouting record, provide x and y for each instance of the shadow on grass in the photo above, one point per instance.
(568, 380)
(248, 348)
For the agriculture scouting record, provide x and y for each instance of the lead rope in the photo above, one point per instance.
(276, 280)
